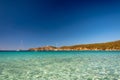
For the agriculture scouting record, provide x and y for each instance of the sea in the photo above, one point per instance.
(60, 65)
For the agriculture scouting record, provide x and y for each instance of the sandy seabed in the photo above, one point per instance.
(61, 66)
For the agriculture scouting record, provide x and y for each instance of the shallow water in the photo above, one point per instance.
(64, 65)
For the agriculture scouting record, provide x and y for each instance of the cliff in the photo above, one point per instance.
(115, 45)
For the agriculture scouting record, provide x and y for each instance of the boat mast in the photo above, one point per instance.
(21, 45)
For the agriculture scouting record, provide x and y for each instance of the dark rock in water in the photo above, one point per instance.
(89, 79)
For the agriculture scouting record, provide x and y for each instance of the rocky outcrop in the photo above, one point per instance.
(43, 48)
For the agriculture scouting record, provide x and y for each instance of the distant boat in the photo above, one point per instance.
(21, 46)
(18, 50)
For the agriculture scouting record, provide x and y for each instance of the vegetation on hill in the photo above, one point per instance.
(96, 46)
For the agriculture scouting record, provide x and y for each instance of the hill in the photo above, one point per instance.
(115, 45)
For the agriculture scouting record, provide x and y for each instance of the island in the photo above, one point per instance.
(108, 46)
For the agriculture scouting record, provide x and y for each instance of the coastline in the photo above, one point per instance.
(107, 46)
(51, 50)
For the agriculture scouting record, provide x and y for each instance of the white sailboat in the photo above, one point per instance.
(21, 46)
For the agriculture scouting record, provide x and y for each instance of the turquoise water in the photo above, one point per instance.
(64, 65)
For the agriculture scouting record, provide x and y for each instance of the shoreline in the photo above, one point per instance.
(52, 50)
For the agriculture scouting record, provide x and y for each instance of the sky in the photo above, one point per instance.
(33, 23)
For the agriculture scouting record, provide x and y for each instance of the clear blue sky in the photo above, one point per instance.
(58, 22)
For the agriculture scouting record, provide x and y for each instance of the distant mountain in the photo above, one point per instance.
(115, 45)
